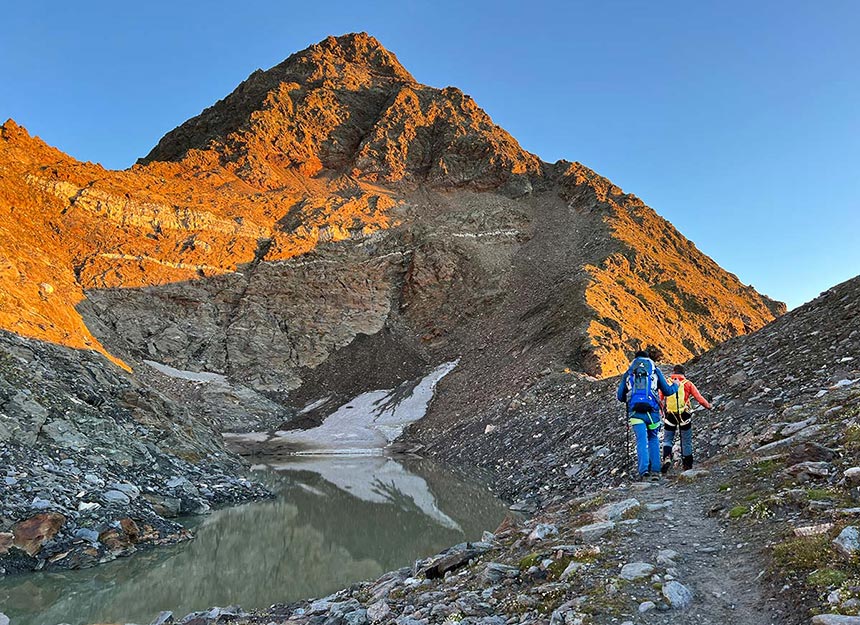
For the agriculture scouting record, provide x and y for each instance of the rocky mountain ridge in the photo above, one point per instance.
(332, 209)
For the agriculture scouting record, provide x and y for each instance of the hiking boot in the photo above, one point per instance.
(655, 477)
(667, 464)
(643, 477)
(688, 462)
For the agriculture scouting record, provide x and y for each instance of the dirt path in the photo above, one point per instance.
(724, 572)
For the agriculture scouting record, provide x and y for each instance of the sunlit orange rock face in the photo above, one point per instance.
(334, 198)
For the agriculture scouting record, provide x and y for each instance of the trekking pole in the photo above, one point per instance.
(627, 440)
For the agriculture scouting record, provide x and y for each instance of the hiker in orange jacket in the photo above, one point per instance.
(677, 416)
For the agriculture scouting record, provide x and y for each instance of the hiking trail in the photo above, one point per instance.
(723, 571)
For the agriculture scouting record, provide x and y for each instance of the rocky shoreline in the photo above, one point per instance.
(93, 465)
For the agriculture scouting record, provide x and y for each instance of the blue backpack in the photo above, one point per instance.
(642, 386)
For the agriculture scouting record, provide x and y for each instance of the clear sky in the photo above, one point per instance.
(737, 121)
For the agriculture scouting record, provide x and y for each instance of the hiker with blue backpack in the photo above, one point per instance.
(640, 389)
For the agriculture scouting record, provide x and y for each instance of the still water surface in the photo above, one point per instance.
(336, 521)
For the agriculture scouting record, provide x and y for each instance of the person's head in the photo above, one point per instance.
(641, 353)
(679, 369)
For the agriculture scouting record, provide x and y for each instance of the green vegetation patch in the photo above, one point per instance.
(533, 559)
(738, 511)
(803, 554)
(826, 578)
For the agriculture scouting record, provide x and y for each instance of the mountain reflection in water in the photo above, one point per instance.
(336, 520)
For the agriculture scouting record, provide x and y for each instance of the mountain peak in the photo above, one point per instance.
(353, 49)
(347, 105)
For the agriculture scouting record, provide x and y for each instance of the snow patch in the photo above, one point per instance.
(371, 421)
(204, 377)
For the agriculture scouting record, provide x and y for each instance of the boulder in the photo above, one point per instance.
(440, 565)
(636, 570)
(679, 596)
(852, 476)
(542, 531)
(496, 572)
(588, 533)
(115, 497)
(616, 511)
(835, 619)
(378, 612)
(848, 542)
(31, 534)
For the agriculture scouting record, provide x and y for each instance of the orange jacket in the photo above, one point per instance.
(689, 389)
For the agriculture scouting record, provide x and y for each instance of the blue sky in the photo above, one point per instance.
(737, 121)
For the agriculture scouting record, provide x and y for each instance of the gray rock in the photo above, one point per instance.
(852, 476)
(679, 596)
(636, 570)
(615, 511)
(85, 533)
(541, 531)
(163, 618)
(835, 619)
(646, 606)
(848, 542)
(588, 533)
(654, 507)
(667, 557)
(692, 474)
(378, 611)
(40, 504)
(357, 617)
(571, 569)
(130, 490)
(737, 378)
(115, 497)
(4, 620)
(496, 572)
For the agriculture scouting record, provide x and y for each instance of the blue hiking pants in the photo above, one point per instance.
(646, 427)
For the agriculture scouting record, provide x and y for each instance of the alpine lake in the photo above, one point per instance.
(335, 520)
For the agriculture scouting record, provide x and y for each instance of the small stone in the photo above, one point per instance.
(692, 474)
(852, 476)
(85, 533)
(6, 540)
(357, 617)
(40, 504)
(646, 606)
(679, 596)
(835, 619)
(571, 569)
(129, 490)
(542, 531)
(667, 557)
(378, 611)
(163, 618)
(636, 570)
(496, 572)
(588, 533)
(848, 542)
(737, 378)
(115, 497)
(616, 511)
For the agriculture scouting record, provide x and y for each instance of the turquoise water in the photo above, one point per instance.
(335, 521)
